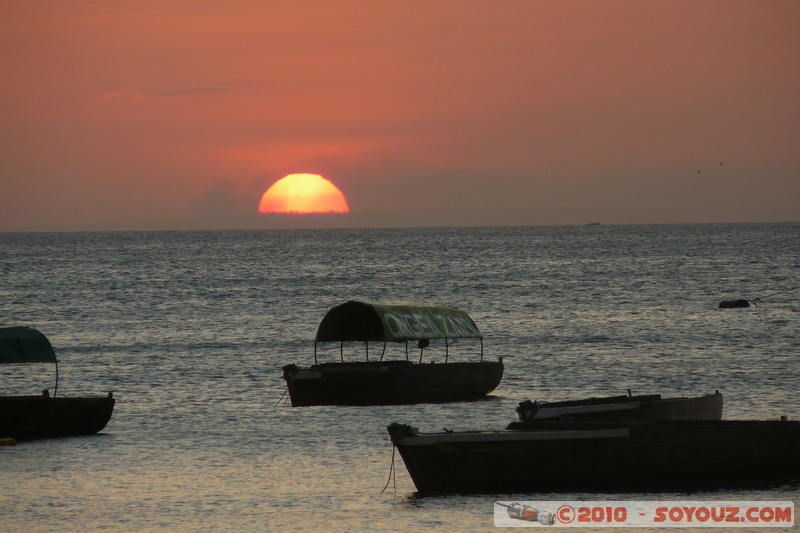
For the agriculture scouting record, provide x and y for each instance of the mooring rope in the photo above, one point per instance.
(392, 476)
(282, 398)
(754, 300)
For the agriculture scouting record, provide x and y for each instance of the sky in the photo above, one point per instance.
(153, 115)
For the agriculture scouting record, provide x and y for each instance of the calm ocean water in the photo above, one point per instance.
(190, 331)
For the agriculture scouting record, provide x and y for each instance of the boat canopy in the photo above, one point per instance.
(394, 321)
(25, 345)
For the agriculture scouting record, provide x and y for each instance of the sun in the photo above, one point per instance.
(303, 193)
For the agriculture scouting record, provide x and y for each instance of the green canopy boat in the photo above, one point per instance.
(398, 380)
(45, 416)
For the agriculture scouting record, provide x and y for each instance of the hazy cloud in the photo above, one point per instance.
(185, 91)
(133, 94)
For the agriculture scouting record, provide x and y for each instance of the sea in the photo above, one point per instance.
(190, 330)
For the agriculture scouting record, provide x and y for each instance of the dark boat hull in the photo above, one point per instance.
(648, 408)
(39, 417)
(390, 382)
(560, 456)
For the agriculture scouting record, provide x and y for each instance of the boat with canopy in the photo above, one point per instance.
(382, 378)
(45, 416)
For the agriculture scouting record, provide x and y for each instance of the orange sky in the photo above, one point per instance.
(179, 115)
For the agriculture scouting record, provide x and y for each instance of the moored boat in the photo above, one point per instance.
(625, 408)
(602, 456)
(45, 416)
(38, 417)
(400, 380)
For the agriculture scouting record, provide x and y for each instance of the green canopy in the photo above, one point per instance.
(394, 321)
(25, 345)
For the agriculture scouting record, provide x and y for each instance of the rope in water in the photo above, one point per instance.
(392, 476)
(281, 398)
(774, 294)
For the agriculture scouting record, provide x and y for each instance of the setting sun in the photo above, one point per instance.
(303, 193)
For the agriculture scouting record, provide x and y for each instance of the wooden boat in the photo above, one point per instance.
(628, 408)
(45, 416)
(393, 381)
(37, 417)
(676, 455)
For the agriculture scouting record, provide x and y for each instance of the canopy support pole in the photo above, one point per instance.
(55, 389)
(421, 344)
(446, 349)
